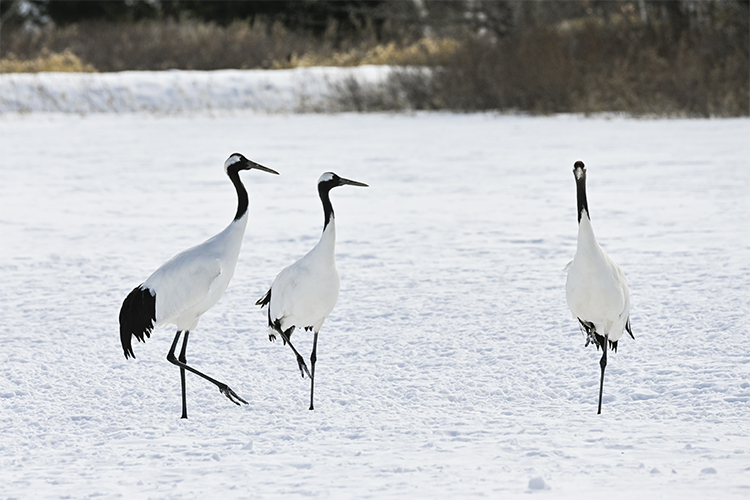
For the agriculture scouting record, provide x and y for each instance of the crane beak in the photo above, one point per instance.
(251, 164)
(343, 182)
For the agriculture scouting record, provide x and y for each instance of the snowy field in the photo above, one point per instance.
(168, 92)
(451, 366)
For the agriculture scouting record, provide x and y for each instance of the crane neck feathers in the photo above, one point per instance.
(242, 198)
(583, 205)
(328, 238)
(324, 190)
(586, 238)
(325, 248)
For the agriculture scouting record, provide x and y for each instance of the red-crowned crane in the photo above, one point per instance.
(189, 284)
(596, 289)
(303, 294)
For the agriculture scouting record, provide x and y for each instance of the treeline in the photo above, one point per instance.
(686, 58)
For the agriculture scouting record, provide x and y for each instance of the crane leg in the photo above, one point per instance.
(286, 336)
(603, 364)
(223, 388)
(183, 359)
(313, 359)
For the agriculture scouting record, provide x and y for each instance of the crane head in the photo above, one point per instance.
(331, 180)
(238, 162)
(579, 170)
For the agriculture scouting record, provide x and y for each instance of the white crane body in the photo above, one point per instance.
(305, 293)
(193, 281)
(596, 288)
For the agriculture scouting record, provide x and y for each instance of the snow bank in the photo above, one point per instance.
(270, 91)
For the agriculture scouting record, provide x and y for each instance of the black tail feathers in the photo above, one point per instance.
(265, 300)
(589, 330)
(274, 324)
(137, 317)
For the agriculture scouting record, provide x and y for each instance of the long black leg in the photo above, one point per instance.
(313, 359)
(603, 364)
(183, 359)
(223, 388)
(300, 360)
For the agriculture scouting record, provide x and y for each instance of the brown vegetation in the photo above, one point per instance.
(536, 57)
(161, 45)
(600, 67)
(66, 62)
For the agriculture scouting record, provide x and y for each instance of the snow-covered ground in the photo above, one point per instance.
(450, 368)
(278, 91)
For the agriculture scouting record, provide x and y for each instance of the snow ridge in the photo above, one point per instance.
(169, 92)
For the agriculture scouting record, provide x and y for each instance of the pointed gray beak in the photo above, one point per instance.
(343, 182)
(251, 164)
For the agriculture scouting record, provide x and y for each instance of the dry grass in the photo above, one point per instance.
(66, 62)
(595, 68)
(587, 65)
(161, 45)
(191, 44)
(424, 52)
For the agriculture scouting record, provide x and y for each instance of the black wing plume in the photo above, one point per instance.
(137, 317)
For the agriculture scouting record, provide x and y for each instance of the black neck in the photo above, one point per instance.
(242, 200)
(581, 195)
(323, 191)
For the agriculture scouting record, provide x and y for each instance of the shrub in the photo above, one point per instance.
(596, 67)
(64, 62)
(668, 58)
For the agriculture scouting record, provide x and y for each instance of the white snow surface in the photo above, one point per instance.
(450, 367)
(277, 91)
